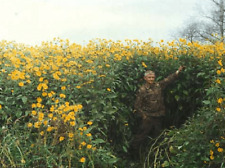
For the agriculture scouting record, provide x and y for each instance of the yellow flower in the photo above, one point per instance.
(41, 79)
(49, 129)
(72, 123)
(0, 106)
(222, 70)
(88, 135)
(64, 80)
(52, 108)
(70, 135)
(83, 143)
(45, 86)
(50, 95)
(45, 122)
(21, 84)
(79, 147)
(218, 109)
(44, 94)
(50, 115)
(34, 113)
(89, 146)
(29, 125)
(144, 65)
(33, 105)
(41, 115)
(37, 124)
(42, 133)
(55, 76)
(217, 144)
(61, 138)
(38, 105)
(218, 81)
(46, 81)
(39, 87)
(63, 87)
(211, 157)
(212, 141)
(218, 72)
(62, 95)
(82, 160)
(67, 103)
(108, 89)
(89, 123)
(79, 106)
(220, 149)
(220, 63)
(220, 100)
(39, 100)
(84, 128)
(211, 152)
(78, 87)
(38, 73)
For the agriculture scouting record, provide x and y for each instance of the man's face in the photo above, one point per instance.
(150, 78)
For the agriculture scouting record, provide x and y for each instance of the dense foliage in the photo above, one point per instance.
(69, 105)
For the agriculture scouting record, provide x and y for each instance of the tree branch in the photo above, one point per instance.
(217, 3)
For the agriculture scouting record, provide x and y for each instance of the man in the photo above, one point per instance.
(150, 106)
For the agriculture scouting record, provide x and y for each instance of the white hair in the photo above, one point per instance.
(149, 72)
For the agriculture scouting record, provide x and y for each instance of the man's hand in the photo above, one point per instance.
(181, 68)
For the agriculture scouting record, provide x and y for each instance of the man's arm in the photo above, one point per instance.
(169, 79)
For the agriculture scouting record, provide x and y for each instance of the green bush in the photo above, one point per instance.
(97, 83)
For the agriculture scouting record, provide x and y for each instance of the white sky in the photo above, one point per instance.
(34, 21)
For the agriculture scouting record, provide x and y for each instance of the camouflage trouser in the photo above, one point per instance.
(150, 126)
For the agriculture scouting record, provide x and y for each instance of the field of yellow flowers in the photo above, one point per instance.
(67, 105)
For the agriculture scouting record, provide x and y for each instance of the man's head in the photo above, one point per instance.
(149, 77)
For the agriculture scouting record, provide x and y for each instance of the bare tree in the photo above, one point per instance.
(209, 27)
(190, 31)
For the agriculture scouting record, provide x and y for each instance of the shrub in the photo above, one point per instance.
(50, 93)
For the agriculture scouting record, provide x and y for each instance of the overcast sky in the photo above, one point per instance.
(33, 21)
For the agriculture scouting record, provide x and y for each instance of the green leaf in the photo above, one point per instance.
(97, 141)
(185, 92)
(125, 148)
(179, 147)
(200, 74)
(177, 97)
(207, 102)
(112, 160)
(24, 99)
(18, 114)
(165, 164)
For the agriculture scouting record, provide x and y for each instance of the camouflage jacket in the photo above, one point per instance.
(150, 100)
